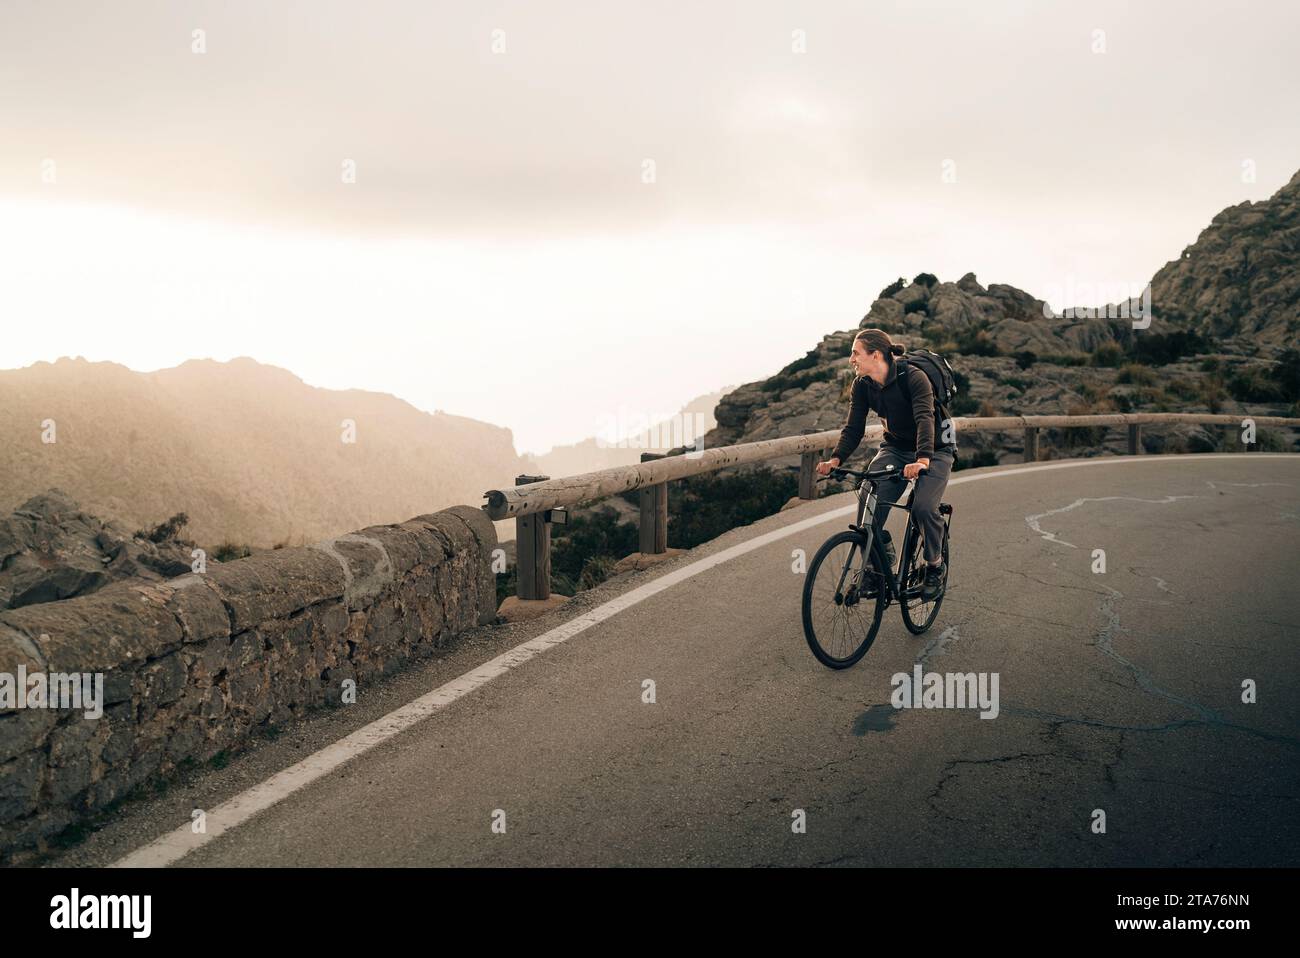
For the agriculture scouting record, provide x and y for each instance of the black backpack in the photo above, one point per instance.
(942, 380)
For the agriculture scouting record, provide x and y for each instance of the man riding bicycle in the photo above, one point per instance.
(901, 395)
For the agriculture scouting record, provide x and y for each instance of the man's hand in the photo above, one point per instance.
(913, 469)
(824, 467)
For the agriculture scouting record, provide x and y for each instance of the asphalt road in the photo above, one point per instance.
(1118, 691)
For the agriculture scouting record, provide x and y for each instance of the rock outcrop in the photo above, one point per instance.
(964, 313)
(1222, 337)
(51, 549)
(1240, 277)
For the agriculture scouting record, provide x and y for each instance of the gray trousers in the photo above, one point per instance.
(925, 498)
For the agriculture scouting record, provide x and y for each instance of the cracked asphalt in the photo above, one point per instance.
(1120, 691)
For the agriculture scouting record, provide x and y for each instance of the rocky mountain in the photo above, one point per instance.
(251, 453)
(50, 549)
(1221, 339)
(1239, 279)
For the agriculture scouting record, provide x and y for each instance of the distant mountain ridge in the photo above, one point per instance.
(249, 451)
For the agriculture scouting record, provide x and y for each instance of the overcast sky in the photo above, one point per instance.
(565, 213)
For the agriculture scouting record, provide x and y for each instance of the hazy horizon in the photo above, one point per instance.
(627, 428)
(503, 251)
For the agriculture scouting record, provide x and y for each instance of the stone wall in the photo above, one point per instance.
(193, 665)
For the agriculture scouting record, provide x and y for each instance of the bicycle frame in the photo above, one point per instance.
(868, 502)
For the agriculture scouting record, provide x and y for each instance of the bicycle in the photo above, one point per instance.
(871, 579)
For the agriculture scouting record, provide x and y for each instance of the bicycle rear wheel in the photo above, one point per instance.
(841, 615)
(918, 614)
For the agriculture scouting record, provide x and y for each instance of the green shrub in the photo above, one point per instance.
(1160, 349)
(1272, 440)
(1255, 385)
(928, 280)
(977, 342)
(704, 507)
(595, 571)
(1108, 354)
(586, 538)
(166, 530)
(1087, 435)
(1136, 374)
(1186, 389)
(964, 405)
(936, 336)
(229, 551)
(1025, 358)
(1151, 396)
(1287, 375)
(781, 382)
(892, 288)
(1213, 394)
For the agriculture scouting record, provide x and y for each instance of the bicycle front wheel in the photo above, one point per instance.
(843, 601)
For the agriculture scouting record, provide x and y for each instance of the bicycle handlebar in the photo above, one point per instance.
(880, 475)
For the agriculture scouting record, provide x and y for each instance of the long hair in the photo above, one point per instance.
(878, 339)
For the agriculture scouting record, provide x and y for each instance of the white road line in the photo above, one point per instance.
(175, 845)
(1033, 521)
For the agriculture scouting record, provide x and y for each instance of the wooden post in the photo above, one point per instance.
(533, 550)
(1135, 439)
(1031, 444)
(808, 471)
(654, 513)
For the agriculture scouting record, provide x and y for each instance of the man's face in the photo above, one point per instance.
(865, 363)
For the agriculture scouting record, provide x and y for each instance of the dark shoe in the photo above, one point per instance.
(935, 580)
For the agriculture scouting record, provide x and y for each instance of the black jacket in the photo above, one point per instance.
(908, 410)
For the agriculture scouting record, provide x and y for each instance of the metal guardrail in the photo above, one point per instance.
(535, 502)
